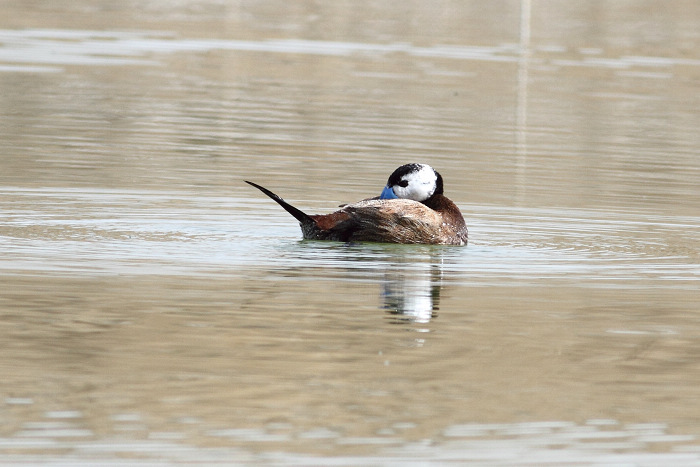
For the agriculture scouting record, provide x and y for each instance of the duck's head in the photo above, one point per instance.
(413, 181)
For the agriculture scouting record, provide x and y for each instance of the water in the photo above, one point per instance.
(157, 310)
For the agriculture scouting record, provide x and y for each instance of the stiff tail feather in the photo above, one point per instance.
(298, 214)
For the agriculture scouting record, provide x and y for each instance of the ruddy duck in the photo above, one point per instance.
(410, 209)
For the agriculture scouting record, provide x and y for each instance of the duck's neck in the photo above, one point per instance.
(446, 207)
(438, 202)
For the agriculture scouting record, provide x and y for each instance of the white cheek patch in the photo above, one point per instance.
(421, 185)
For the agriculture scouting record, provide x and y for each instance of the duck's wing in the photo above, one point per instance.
(395, 221)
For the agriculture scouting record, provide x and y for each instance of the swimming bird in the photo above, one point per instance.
(411, 209)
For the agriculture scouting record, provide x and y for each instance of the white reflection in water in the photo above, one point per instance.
(597, 441)
(409, 276)
(86, 47)
(110, 47)
(413, 294)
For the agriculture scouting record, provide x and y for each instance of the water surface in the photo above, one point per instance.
(156, 309)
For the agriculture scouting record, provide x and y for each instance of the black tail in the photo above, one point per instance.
(299, 215)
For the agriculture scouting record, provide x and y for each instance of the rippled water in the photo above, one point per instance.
(157, 310)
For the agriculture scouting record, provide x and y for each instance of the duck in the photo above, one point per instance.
(411, 209)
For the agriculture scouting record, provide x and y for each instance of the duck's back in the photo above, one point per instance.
(394, 221)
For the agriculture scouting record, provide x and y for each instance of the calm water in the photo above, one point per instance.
(157, 311)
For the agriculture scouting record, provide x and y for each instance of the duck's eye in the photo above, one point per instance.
(403, 183)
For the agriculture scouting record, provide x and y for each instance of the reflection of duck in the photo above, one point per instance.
(411, 209)
(412, 295)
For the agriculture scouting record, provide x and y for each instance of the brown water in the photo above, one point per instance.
(156, 310)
